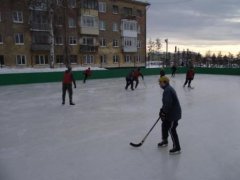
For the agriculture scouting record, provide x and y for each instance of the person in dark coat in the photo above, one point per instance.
(129, 80)
(189, 77)
(68, 79)
(174, 69)
(87, 73)
(162, 72)
(170, 114)
(136, 75)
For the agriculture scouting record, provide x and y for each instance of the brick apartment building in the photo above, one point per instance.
(102, 33)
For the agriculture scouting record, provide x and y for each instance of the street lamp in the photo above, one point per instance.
(166, 41)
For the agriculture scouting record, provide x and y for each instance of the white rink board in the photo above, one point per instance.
(42, 140)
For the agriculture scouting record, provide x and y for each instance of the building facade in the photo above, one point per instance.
(102, 33)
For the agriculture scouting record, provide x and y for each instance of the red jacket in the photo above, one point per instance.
(68, 78)
(88, 72)
(190, 74)
(136, 74)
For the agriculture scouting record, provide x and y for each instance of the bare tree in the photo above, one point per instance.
(150, 47)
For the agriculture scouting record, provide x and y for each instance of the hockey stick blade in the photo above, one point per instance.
(136, 145)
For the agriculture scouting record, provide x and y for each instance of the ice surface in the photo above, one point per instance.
(42, 140)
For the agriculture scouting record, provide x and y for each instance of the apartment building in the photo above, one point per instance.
(102, 33)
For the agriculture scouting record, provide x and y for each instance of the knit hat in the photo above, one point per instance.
(164, 79)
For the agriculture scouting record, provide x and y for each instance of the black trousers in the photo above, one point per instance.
(85, 78)
(188, 81)
(171, 128)
(129, 81)
(137, 82)
(173, 73)
(65, 88)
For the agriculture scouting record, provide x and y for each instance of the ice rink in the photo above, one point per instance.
(42, 140)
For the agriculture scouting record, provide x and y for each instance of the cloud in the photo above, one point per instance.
(210, 22)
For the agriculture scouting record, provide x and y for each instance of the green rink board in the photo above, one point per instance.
(29, 78)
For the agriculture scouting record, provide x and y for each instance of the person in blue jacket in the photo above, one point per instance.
(170, 114)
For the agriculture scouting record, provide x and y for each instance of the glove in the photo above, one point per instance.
(162, 115)
(75, 86)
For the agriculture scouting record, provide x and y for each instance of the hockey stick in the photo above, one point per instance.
(143, 140)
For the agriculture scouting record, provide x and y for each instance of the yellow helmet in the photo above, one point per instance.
(164, 79)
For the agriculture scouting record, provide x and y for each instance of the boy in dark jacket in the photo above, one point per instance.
(170, 114)
(129, 80)
(174, 69)
(162, 72)
(136, 75)
(189, 77)
(68, 79)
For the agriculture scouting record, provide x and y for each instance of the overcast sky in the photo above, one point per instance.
(199, 25)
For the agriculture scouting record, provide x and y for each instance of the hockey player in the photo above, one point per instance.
(68, 79)
(87, 73)
(189, 77)
(170, 114)
(162, 72)
(136, 75)
(174, 69)
(129, 80)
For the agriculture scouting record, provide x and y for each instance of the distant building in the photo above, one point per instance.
(103, 33)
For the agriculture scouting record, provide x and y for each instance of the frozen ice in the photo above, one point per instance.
(42, 140)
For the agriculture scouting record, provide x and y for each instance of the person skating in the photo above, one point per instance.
(68, 79)
(136, 75)
(162, 72)
(174, 69)
(170, 114)
(87, 73)
(129, 80)
(189, 77)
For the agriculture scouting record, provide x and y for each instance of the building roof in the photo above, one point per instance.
(139, 2)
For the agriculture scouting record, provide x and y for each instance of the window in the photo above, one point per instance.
(72, 40)
(1, 39)
(102, 25)
(73, 59)
(129, 25)
(19, 38)
(41, 59)
(88, 59)
(88, 41)
(71, 23)
(115, 9)
(2, 62)
(20, 60)
(59, 59)
(18, 17)
(59, 20)
(127, 11)
(115, 43)
(103, 42)
(103, 59)
(89, 21)
(138, 58)
(115, 27)
(59, 40)
(60, 2)
(128, 59)
(72, 3)
(138, 44)
(40, 38)
(115, 59)
(130, 42)
(139, 29)
(89, 4)
(102, 7)
(139, 13)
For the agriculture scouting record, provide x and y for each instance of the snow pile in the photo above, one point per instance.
(7, 70)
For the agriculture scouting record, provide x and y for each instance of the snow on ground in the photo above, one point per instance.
(42, 140)
(8, 70)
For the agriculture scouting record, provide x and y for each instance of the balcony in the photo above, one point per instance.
(130, 49)
(88, 48)
(40, 27)
(40, 47)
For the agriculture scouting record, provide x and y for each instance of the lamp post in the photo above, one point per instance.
(166, 41)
